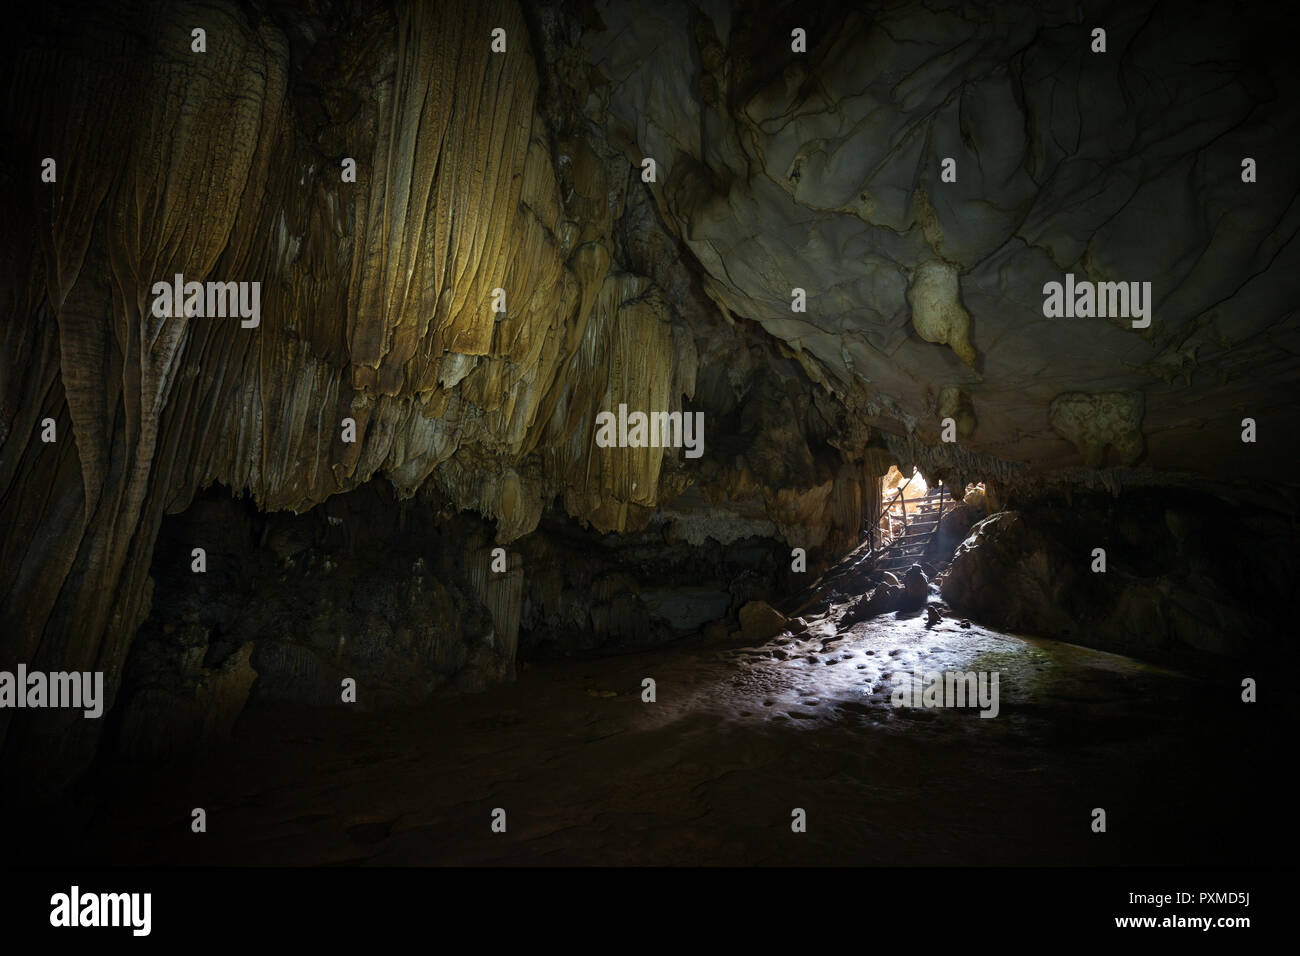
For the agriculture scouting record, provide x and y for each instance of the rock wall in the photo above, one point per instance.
(364, 587)
(1162, 575)
(401, 597)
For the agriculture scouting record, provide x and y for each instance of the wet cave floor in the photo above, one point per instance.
(737, 739)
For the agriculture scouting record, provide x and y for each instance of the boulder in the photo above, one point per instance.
(1008, 575)
(1033, 574)
(759, 621)
(916, 585)
(884, 598)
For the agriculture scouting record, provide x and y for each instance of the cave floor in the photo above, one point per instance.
(710, 773)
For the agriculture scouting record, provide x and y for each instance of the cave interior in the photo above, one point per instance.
(621, 411)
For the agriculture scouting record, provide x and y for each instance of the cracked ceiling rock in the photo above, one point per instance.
(1046, 183)
(1094, 422)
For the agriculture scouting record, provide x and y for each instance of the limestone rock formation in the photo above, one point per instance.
(1094, 423)
(823, 171)
(1005, 573)
(160, 722)
(954, 403)
(937, 313)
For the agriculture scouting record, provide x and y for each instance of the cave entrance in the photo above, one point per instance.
(907, 525)
(910, 524)
(899, 492)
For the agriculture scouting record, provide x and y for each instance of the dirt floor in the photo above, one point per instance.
(713, 770)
